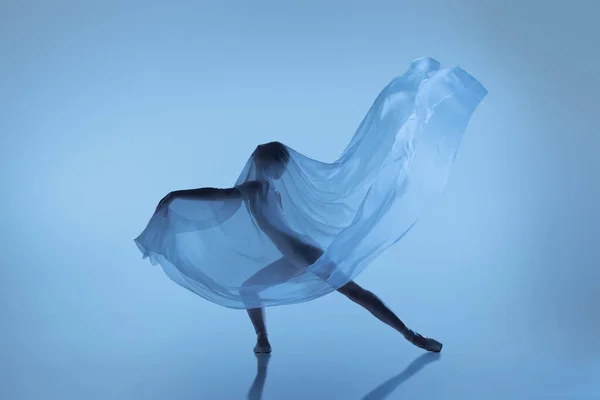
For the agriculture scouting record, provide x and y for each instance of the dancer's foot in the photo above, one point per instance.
(425, 343)
(262, 344)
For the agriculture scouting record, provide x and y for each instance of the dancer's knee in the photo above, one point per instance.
(353, 291)
(248, 294)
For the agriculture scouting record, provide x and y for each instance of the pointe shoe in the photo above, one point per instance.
(425, 343)
(262, 344)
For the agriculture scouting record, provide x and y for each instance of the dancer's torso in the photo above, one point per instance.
(267, 209)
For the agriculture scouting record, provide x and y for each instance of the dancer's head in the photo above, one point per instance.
(271, 159)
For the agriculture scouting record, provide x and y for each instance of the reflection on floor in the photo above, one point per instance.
(381, 392)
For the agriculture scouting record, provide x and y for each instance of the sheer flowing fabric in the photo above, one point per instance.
(353, 209)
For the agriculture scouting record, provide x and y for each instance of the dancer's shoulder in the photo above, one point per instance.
(249, 188)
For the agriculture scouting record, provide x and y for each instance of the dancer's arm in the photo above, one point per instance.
(209, 193)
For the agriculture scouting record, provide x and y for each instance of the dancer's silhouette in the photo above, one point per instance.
(293, 229)
(263, 201)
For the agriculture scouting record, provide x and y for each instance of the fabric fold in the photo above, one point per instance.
(353, 209)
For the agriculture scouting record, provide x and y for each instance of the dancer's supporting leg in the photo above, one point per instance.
(275, 273)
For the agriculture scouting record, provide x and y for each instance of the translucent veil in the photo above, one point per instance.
(353, 208)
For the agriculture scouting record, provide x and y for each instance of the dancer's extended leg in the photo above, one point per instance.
(369, 301)
(375, 306)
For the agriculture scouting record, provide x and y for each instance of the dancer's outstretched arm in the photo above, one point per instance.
(210, 193)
